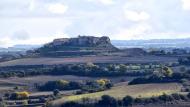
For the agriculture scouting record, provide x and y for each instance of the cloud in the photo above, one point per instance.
(105, 2)
(45, 20)
(32, 30)
(136, 16)
(4, 42)
(60, 34)
(20, 35)
(186, 4)
(134, 32)
(32, 5)
(57, 8)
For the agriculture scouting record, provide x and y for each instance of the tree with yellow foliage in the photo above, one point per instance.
(167, 72)
(104, 83)
(20, 95)
(101, 82)
(63, 82)
(23, 94)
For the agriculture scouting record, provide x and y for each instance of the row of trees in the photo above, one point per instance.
(88, 69)
(165, 52)
(184, 61)
(91, 69)
(108, 101)
(88, 86)
(163, 75)
(60, 85)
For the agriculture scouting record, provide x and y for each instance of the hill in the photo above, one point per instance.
(82, 45)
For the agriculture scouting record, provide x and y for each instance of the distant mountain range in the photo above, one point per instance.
(154, 43)
(18, 48)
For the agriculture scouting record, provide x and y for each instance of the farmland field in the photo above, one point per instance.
(122, 89)
(43, 79)
(9, 83)
(94, 59)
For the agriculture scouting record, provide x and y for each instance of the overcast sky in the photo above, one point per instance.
(40, 21)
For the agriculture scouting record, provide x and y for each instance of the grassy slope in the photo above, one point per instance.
(120, 91)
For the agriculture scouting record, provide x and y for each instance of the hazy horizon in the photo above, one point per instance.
(41, 21)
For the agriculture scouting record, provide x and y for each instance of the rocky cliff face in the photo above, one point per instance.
(84, 41)
(82, 45)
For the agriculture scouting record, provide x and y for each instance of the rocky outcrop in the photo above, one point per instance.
(81, 45)
(84, 41)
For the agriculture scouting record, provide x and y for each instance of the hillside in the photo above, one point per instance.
(82, 45)
(122, 89)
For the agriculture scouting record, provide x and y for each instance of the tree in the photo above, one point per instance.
(2, 104)
(128, 100)
(19, 95)
(188, 95)
(109, 85)
(111, 67)
(176, 96)
(167, 72)
(72, 104)
(52, 85)
(105, 83)
(16, 88)
(56, 92)
(182, 69)
(90, 64)
(25, 102)
(101, 82)
(107, 101)
(122, 68)
(166, 97)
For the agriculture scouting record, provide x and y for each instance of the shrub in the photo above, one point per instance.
(7, 95)
(122, 68)
(165, 98)
(128, 100)
(138, 100)
(154, 99)
(182, 69)
(56, 92)
(183, 97)
(176, 96)
(72, 104)
(42, 100)
(79, 92)
(25, 102)
(188, 95)
(107, 101)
